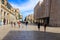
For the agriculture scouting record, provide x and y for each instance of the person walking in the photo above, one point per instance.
(26, 23)
(14, 24)
(45, 27)
(11, 23)
(39, 26)
(18, 23)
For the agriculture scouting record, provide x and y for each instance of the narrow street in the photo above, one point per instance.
(22, 19)
(29, 33)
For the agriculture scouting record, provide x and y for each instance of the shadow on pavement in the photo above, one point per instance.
(31, 35)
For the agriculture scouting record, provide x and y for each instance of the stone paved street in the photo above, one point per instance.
(29, 33)
(29, 19)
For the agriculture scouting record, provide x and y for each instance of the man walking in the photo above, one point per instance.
(14, 24)
(39, 26)
(26, 23)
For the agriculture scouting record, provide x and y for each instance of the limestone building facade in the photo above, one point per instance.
(49, 12)
(7, 12)
(30, 18)
(55, 13)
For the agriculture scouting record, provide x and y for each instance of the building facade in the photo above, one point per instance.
(20, 17)
(39, 12)
(48, 11)
(30, 18)
(7, 12)
(55, 13)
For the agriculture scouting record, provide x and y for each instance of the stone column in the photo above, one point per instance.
(8, 18)
(2, 15)
(0, 8)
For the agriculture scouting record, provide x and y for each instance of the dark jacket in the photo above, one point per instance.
(38, 25)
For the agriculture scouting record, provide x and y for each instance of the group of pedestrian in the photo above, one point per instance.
(13, 24)
(39, 24)
(44, 26)
(26, 22)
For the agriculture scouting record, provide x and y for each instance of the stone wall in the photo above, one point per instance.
(55, 13)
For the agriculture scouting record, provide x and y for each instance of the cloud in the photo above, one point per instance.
(26, 8)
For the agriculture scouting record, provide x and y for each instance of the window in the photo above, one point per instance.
(9, 6)
(7, 13)
(15, 10)
(2, 1)
(4, 13)
(16, 17)
(1, 11)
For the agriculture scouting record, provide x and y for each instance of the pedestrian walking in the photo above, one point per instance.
(39, 26)
(26, 23)
(14, 24)
(18, 23)
(11, 23)
(45, 27)
(4, 21)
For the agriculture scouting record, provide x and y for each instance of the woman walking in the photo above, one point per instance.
(18, 23)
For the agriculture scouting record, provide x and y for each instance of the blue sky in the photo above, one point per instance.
(26, 7)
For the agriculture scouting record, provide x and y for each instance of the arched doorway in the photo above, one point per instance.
(4, 21)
